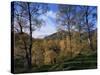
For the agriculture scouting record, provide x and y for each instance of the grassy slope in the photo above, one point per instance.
(78, 63)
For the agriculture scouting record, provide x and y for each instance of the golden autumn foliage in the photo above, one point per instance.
(51, 51)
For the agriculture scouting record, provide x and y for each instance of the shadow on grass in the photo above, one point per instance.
(78, 63)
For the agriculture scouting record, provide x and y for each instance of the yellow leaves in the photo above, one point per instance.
(49, 57)
(62, 44)
(44, 51)
(37, 53)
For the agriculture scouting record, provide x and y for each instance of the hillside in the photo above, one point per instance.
(57, 35)
(63, 34)
(53, 53)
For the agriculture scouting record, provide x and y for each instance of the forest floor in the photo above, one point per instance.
(78, 63)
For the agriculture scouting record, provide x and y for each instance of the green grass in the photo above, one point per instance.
(78, 63)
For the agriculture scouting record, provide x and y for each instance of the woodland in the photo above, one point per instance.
(72, 47)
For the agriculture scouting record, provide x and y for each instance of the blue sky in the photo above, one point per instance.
(50, 23)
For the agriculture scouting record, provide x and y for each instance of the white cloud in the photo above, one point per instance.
(51, 14)
(44, 31)
(48, 28)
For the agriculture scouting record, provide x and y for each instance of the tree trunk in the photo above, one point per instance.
(27, 54)
(89, 32)
(30, 45)
(69, 32)
(21, 30)
(19, 22)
